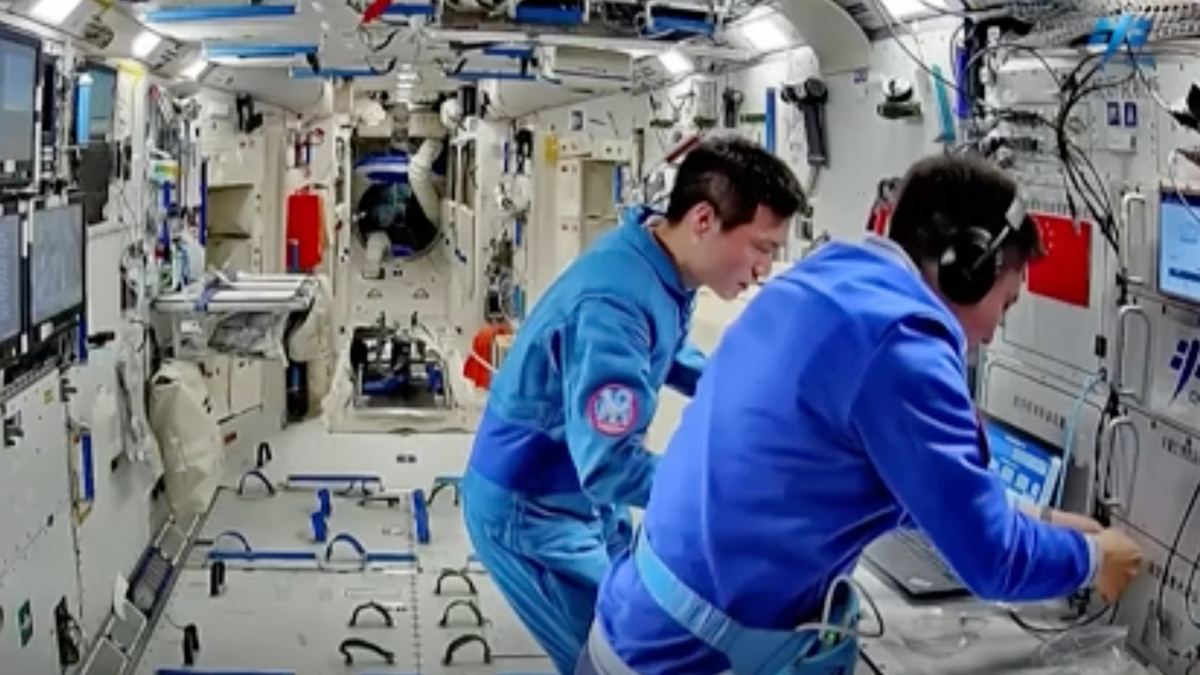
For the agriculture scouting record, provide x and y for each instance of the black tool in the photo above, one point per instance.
(810, 98)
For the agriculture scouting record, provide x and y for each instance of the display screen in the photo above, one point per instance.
(1027, 466)
(56, 262)
(1179, 245)
(11, 310)
(18, 88)
(102, 103)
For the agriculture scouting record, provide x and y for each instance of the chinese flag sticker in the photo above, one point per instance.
(1064, 272)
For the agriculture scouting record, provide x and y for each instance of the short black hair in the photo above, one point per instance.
(735, 176)
(946, 194)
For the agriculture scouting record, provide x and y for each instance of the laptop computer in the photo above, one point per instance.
(1027, 465)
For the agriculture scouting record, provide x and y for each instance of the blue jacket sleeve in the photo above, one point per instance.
(685, 372)
(609, 400)
(916, 420)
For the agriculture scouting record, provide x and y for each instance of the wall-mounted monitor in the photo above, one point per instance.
(20, 70)
(95, 103)
(12, 287)
(1179, 245)
(56, 260)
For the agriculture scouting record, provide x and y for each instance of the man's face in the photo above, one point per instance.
(981, 320)
(730, 261)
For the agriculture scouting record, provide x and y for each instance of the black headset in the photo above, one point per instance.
(970, 264)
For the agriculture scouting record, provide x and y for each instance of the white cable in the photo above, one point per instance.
(1089, 387)
(825, 627)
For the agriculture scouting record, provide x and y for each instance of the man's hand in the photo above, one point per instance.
(1120, 563)
(1075, 522)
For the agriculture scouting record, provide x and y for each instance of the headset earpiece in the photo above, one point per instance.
(968, 267)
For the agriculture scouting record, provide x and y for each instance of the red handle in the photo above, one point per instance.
(375, 11)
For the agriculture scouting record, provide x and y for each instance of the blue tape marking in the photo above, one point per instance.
(341, 478)
(251, 556)
(390, 557)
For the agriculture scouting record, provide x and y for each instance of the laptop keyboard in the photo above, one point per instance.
(920, 546)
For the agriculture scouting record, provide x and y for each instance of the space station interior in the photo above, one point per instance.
(269, 253)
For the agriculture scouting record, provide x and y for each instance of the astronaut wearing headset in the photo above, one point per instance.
(768, 494)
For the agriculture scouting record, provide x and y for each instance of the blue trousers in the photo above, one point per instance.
(547, 563)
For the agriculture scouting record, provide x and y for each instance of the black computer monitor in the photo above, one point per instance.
(20, 58)
(12, 287)
(56, 266)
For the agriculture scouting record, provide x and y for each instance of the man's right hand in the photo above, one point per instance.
(1120, 563)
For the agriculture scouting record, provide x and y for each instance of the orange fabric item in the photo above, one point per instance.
(475, 369)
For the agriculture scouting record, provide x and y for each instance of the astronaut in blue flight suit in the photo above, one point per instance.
(559, 457)
(835, 407)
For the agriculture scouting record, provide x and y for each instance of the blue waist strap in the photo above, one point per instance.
(751, 651)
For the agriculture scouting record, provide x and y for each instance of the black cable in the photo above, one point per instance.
(1174, 550)
(1080, 622)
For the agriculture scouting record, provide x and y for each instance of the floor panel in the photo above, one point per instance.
(292, 616)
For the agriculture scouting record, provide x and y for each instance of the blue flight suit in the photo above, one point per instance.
(835, 407)
(558, 456)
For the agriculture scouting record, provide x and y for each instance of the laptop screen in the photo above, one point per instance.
(1028, 467)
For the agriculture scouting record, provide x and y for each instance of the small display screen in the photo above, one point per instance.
(11, 310)
(1027, 466)
(102, 104)
(1179, 245)
(56, 262)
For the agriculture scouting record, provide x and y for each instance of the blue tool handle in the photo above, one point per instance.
(324, 505)
(320, 529)
(420, 516)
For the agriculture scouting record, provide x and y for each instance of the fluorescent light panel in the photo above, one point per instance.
(762, 31)
(195, 69)
(675, 62)
(53, 12)
(145, 43)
